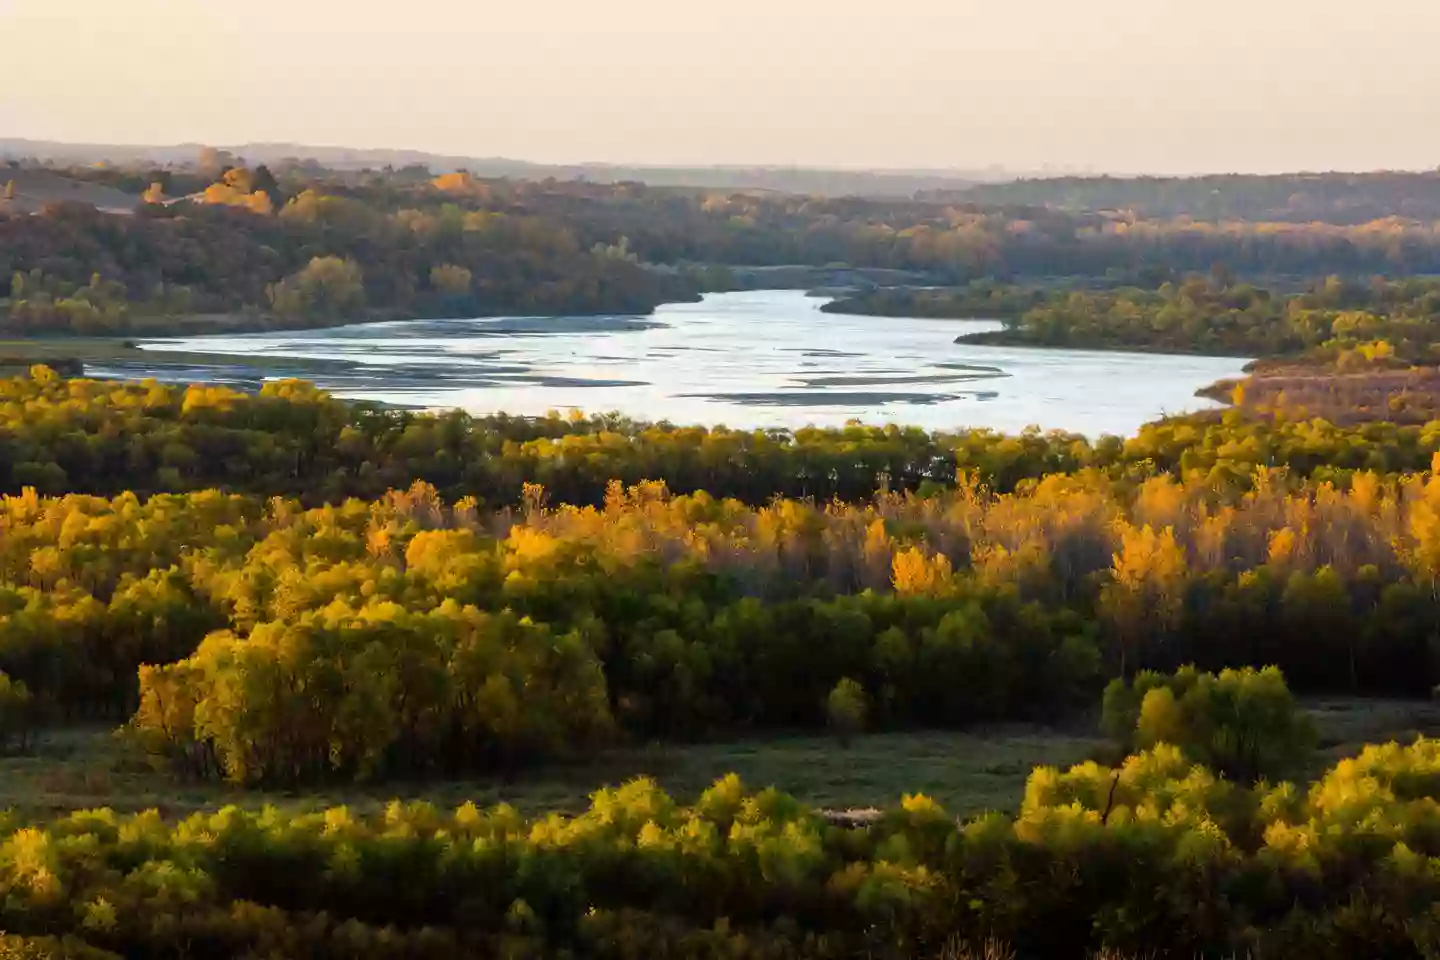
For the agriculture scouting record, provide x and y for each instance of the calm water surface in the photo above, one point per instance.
(767, 358)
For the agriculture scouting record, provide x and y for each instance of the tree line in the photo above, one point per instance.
(387, 244)
(1352, 323)
(98, 437)
(1346, 198)
(73, 270)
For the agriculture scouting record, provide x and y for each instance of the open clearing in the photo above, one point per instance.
(968, 772)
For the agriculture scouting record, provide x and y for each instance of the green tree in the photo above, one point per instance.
(450, 280)
(847, 710)
(329, 287)
(1244, 723)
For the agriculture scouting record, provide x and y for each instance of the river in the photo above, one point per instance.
(753, 359)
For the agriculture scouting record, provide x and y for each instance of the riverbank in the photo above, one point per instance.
(139, 352)
(1014, 337)
(1402, 395)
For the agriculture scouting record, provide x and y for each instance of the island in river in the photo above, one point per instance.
(1318, 321)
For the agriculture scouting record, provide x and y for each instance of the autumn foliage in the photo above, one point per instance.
(1157, 854)
(271, 639)
(436, 634)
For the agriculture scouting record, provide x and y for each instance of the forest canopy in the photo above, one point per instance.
(953, 578)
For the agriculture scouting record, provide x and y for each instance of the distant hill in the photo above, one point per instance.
(1343, 198)
(1334, 197)
(804, 180)
(35, 188)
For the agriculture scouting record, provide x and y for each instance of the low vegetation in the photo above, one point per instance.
(973, 771)
(1358, 392)
(1156, 850)
(1241, 723)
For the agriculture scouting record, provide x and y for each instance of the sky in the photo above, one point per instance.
(1122, 86)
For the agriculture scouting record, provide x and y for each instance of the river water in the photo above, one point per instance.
(767, 358)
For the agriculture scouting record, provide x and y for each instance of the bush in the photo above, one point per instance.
(374, 690)
(847, 709)
(1157, 858)
(50, 948)
(1243, 723)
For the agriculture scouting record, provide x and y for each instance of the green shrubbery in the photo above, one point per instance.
(377, 689)
(1243, 723)
(50, 948)
(847, 709)
(1157, 856)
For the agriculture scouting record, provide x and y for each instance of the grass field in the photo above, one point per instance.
(968, 772)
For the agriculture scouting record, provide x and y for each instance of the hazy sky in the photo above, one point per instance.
(1121, 85)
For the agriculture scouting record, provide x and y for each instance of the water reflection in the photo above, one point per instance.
(768, 358)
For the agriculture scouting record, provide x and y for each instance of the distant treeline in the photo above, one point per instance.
(1352, 322)
(73, 270)
(311, 246)
(1343, 198)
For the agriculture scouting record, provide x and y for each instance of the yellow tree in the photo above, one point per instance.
(916, 573)
(240, 180)
(258, 202)
(450, 280)
(1420, 546)
(222, 194)
(459, 182)
(1146, 590)
(327, 286)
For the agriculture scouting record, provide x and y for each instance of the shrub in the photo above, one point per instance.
(50, 948)
(1157, 858)
(847, 709)
(1243, 723)
(375, 689)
